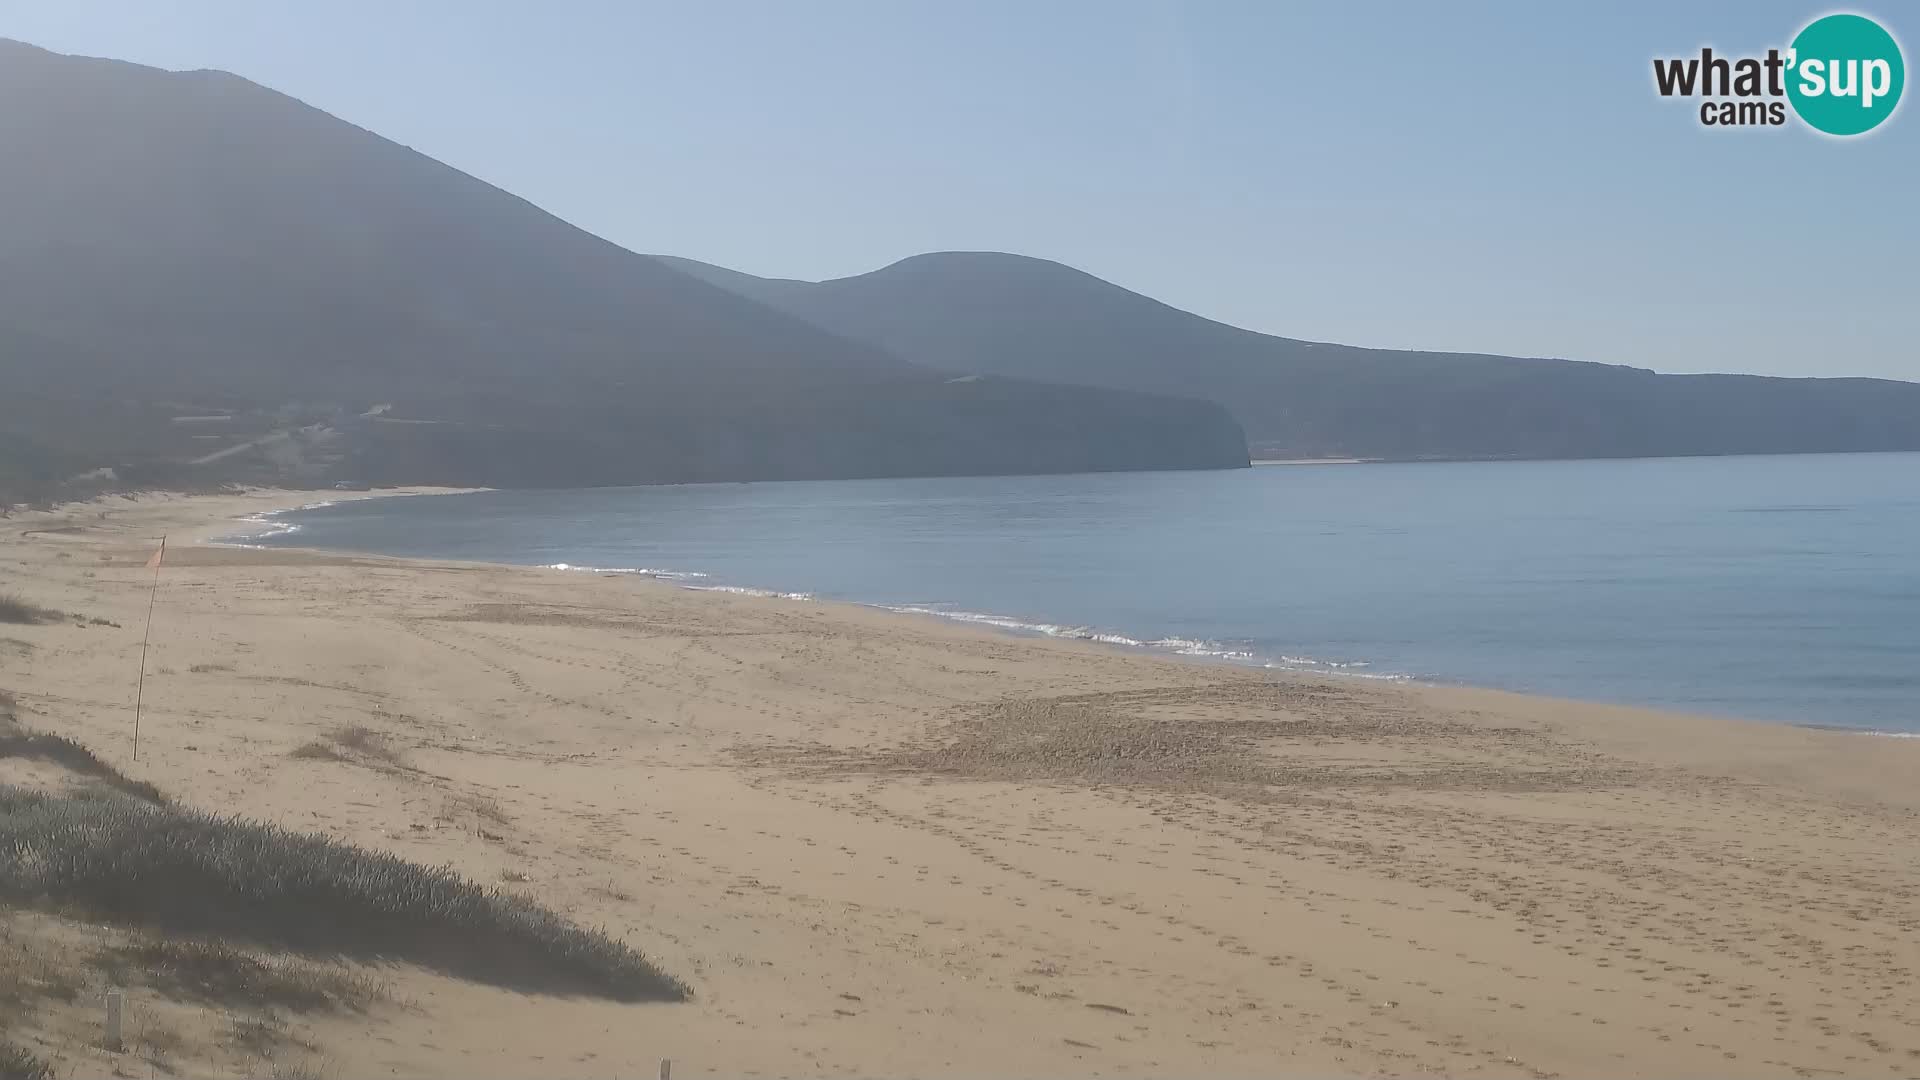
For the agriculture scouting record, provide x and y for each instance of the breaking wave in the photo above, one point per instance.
(265, 525)
(643, 571)
(1211, 650)
(743, 590)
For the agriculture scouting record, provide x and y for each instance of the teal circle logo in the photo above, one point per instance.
(1845, 74)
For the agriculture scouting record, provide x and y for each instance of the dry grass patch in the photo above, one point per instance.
(316, 751)
(365, 741)
(354, 743)
(29, 975)
(478, 815)
(483, 807)
(307, 1069)
(262, 1034)
(19, 1063)
(612, 892)
(158, 1045)
(212, 972)
(53, 968)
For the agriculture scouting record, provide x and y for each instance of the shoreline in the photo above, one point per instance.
(865, 837)
(207, 531)
(1017, 628)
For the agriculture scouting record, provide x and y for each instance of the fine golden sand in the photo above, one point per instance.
(880, 845)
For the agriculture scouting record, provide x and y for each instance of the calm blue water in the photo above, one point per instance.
(1783, 588)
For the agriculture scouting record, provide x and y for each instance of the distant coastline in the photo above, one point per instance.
(1315, 461)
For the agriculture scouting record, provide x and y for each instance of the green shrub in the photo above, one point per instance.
(15, 610)
(75, 757)
(182, 871)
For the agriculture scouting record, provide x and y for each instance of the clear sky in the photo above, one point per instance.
(1488, 177)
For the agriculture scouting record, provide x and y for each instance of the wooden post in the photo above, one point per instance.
(116, 1002)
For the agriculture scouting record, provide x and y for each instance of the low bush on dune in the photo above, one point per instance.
(18, 742)
(315, 751)
(181, 871)
(74, 757)
(361, 744)
(15, 610)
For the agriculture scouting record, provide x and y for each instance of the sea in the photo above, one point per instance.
(1773, 588)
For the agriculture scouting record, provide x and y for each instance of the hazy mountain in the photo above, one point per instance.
(197, 238)
(1011, 315)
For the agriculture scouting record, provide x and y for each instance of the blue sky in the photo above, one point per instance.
(1488, 177)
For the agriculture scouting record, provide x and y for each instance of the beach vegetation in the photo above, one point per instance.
(15, 610)
(208, 971)
(316, 751)
(183, 872)
(72, 756)
(352, 743)
(19, 1063)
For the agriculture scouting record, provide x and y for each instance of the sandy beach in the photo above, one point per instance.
(883, 845)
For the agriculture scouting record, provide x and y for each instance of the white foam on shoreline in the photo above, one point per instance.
(1879, 732)
(268, 526)
(682, 578)
(742, 590)
(1211, 650)
(643, 571)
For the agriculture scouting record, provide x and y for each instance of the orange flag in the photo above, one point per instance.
(154, 563)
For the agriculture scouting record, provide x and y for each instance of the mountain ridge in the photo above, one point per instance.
(997, 313)
(197, 237)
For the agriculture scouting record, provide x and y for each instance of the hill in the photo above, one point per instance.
(1012, 315)
(179, 245)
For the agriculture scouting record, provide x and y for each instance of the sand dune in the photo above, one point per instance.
(881, 845)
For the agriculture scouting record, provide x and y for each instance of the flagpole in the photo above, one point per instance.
(140, 688)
